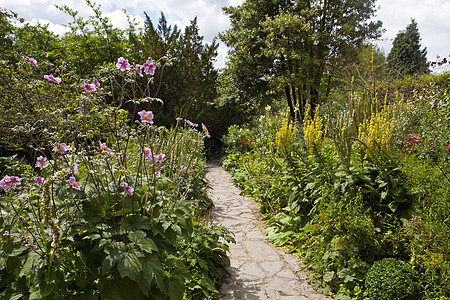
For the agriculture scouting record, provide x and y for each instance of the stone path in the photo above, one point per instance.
(258, 270)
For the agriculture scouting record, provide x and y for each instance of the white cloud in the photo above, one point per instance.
(431, 17)
(210, 18)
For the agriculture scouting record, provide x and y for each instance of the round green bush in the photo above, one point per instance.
(391, 278)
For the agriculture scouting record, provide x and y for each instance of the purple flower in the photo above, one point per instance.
(148, 153)
(32, 61)
(56, 80)
(205, 130)
(146, 116)
(96, 83)
(21, 219)
(75, 184)
(62, 148)
(89, 87)
(104, 147)
(149, 67)
(123, 64)
(39, 180)
(189, 123)
(159, 157)
(184, 168)
(40, 161)
(128, 189)
(31, 246)
(9, 182)
(139, 69)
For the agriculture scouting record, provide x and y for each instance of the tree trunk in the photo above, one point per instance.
(287, 91)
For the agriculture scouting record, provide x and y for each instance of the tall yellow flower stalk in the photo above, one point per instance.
(376, 133)
(285, 136)
(313, 130)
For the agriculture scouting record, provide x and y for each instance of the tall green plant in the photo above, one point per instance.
(111, 214)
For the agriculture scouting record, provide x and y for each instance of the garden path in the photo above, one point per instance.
(258, 270)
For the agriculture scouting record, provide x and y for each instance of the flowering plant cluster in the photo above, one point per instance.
(246, 141)
(410, 143)
(110, 216)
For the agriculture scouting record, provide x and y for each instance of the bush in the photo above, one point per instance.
(115, 214)
(391, 278)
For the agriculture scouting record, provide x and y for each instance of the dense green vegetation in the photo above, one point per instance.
(103, 148)
(103, 189)
(357, 183)
(108, 208)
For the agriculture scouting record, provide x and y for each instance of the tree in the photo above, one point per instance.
(405, 55)
(291, 47)
(189, 83)
(93, 42)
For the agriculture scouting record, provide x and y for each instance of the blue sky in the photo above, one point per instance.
(431, 16)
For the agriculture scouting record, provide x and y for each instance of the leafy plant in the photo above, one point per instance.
(113, 214)
(391, 278)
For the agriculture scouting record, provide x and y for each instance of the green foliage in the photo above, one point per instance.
(288, 44)
(109, 209)
(406, 56)
(342, 209)
(93, 43)
(391, 278)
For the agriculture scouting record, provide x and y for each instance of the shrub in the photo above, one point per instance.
(391, 278)
(113, 215)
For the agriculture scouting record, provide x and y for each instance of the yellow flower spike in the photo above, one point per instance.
(285, 136)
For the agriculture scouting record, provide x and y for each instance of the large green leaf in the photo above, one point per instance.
(130, 265)
(152, 269)
(328, 276)
(175, 286)
(144, 243)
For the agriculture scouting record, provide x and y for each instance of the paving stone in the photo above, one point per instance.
(272, 267)
(258, 271)
(253, 269)
(255, 235)
(287, 274)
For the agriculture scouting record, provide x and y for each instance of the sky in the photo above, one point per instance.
(432, 17)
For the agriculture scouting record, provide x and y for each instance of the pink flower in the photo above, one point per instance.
(159, 158)
(32, 61)
(128, 189)
(189, 123)
(146, 116)
(104, 147)
(149, 67)
(205, 130)
(89, 87)
(123, 64)
(39, 180)
(139, 69)
(96, 83)
(56, 80)
(9, 182)
(148, 153)
(75, 184)
(62, 148)
(40, 161)
(31, 246)
(184, 168)
(448, 146)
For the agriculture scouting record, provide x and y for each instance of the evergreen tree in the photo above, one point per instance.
(290, 47)
(405, 56)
